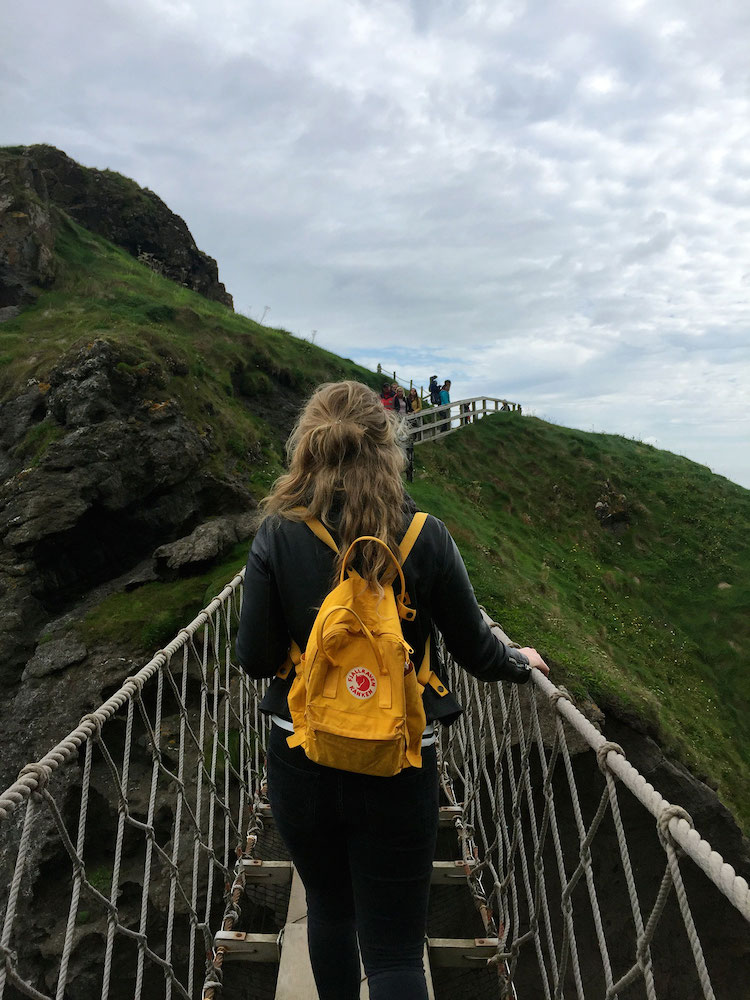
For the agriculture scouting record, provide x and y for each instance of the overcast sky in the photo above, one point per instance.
(547, 201)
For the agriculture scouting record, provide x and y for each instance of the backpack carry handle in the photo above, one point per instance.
(372, 538)
(365, 630)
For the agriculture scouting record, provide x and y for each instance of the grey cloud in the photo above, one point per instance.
(646, 248)
(426, 14)
(533, 201)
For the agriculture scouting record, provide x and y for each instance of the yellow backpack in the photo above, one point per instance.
(356, 699)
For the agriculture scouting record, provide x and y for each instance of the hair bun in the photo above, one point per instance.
(337, 439)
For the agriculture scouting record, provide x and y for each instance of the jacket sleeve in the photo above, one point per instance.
(263, 637)
(468, 637)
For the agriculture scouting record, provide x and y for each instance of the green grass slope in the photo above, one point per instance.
(652, 616)
(228, 373)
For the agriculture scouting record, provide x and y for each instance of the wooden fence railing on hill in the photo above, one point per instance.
(401, 379)
(437, 421)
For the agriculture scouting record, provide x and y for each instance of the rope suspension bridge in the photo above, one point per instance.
(139, 856)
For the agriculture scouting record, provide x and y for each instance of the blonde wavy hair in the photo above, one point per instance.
(345, 452)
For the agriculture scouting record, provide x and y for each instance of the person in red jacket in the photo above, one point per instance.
(387, 395)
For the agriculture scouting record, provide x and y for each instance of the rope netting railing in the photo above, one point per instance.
(127, 846)
(122, 840)
(547, 856)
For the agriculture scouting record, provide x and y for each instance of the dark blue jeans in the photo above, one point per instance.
(363, 847)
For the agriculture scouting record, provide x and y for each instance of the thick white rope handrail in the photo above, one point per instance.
(722, 874)
(670, 818)
(34, 776)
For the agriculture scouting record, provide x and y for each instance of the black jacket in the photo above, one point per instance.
(289, 572)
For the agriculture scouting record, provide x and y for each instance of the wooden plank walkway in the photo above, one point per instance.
(295, 981)
(289, 949)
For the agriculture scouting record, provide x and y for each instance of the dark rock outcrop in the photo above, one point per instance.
(613, 510)
(33, 179)
(53, 657)
(203, 545)
(119, 474)
(27, 237)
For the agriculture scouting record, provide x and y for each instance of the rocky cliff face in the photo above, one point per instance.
(27, 236)
(36, 179)
(115, 476)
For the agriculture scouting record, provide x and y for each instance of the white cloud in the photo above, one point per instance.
(599, 83)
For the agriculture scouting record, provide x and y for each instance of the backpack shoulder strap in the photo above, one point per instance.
(318, 529)
(412, 534)
(405, 546)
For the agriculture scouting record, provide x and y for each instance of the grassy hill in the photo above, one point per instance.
(647, 612)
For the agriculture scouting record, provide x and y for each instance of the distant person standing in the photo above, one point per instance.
(399, 401)
(434, 390)
(413, 402)
(387, 395)
(444, 423)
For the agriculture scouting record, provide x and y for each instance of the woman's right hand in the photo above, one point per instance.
(535, 659)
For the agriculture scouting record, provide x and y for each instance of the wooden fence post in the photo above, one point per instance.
(410, 460)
